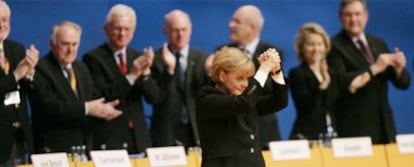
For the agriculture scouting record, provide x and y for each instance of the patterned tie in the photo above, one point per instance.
(122, 65)
(366, 51)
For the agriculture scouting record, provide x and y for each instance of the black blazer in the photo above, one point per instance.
(269, 126)
(166, 111)
(367, 112)
(59, 118)
(311, 103)
(229, 125)
(112, 85)
(14, 52)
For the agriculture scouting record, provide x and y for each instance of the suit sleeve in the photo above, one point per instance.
(345, 77)
(53, 108)
(274, 101)
(215, 104)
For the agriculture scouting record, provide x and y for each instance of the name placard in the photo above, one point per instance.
(405, 143)
(50, 160)
(167, 156)
(352, 147)
(110, 158)
(290, 150)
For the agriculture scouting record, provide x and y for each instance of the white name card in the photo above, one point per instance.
(167, 156)
(352, 147)
(50, 160)
(405, 143)
(110, 158)
(290, 150)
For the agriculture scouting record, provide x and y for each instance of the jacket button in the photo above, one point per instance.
(251, 150)
(252, 136)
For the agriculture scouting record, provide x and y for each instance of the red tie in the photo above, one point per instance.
(122, 66)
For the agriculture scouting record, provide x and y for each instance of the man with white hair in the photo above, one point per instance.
(179, 71)
(245, 29)
(122, 73)
(63, 97)
(16, 71)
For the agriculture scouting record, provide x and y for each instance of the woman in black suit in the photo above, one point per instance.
(228, 112)
(312, 84)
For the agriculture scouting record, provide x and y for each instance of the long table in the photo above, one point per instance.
(383, 156)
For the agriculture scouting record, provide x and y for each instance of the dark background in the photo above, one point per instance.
(393, 20)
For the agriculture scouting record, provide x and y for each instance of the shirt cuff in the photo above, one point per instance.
(279, 78)
(261, 77)
(130, 81)
(30, 75)
(86, 109)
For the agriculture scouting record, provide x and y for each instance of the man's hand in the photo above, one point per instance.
(98, 108)
(209, 63)
(399, 61)
(169, 59)
(384, 60)
(26, 65)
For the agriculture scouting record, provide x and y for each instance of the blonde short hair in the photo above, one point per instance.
(229, 59)
(304, 31)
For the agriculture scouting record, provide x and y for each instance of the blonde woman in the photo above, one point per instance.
(311, 84)
(228, 112)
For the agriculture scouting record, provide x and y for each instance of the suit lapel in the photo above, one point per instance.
(190, 68)
(356, 54)
(110, 63)
(371, 44)
(57, 74)
(11, 57)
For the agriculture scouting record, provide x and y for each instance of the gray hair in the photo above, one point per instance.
(6, 6)
(56, 28)
(120, 10)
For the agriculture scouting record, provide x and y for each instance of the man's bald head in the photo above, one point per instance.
(178, 29)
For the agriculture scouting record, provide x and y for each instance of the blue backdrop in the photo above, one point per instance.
(393, 20)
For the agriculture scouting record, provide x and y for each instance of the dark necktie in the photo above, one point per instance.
(122, 65)
(180, 73)
(366, 51)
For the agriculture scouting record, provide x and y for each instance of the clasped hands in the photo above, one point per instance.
(270, 61)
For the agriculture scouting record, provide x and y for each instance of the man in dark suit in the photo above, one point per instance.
(63, 97)
(16, 71)
(364, 65)
(179, 71)
(245, 28)
(122, 73)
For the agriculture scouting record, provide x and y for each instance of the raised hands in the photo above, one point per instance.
(269, 61)
(99, 109)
